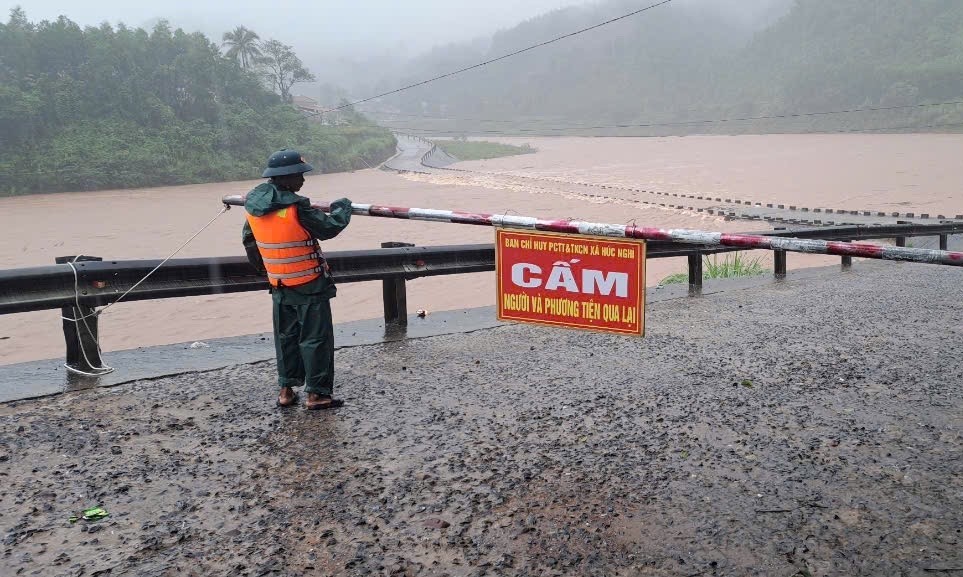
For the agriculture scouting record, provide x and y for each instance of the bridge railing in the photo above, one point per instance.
(94, 282)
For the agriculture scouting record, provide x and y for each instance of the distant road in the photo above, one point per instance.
(410, 149)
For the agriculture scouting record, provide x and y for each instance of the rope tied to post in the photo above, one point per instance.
(104, 369)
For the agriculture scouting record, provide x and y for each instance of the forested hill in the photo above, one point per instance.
(90, 108)
(692, 60)
(828, 53)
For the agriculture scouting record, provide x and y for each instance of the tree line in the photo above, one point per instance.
(105, 107)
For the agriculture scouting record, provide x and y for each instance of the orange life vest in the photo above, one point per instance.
(291, 255)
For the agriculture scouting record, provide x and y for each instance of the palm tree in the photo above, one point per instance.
(243, 46)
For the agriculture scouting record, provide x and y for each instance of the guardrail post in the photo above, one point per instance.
(695, 273)
(779, 263)
(395, 294)
(847, 261)
(81, 336)
(944, 241)
(901, 240)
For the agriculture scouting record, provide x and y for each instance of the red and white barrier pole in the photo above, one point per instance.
(747, 241)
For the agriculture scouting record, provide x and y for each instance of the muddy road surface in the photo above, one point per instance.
(807, 429)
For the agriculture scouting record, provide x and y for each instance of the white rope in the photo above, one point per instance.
(103, 370)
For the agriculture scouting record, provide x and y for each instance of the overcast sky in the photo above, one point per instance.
(350, 44)
(410, 25)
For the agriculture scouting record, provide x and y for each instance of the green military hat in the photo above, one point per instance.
(286, 161)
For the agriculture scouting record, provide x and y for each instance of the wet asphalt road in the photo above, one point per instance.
(809, 428)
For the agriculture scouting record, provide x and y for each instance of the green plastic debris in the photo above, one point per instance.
(92, 514)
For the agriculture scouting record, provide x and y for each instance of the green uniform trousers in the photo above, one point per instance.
(304, 342)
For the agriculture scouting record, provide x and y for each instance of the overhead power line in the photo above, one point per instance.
(509, 55)
(682, 123)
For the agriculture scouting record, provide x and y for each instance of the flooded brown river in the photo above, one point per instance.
(867, 172)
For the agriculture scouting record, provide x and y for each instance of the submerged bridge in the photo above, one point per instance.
(420, 155)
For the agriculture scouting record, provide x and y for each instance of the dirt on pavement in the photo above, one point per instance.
(805, 428)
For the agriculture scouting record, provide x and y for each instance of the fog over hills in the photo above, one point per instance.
(695, 60)
(686, 61)
(345, 43)
(351, 46)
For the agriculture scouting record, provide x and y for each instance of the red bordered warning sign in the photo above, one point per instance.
(582, 282)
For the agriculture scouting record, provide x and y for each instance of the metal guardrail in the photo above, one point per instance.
(100, 282)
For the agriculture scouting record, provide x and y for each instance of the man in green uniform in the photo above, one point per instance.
(286, 248)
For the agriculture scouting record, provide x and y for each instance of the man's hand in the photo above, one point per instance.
(327, 224)
(341, 204)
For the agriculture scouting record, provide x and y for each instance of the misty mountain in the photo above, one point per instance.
(694, 60)
(860, 52)
(351, 45)
(120, 107)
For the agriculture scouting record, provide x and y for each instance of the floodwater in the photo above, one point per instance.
(867, 172)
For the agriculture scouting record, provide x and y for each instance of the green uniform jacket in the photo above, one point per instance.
(267, 198)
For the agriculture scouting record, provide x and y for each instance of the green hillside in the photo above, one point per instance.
(91, 108)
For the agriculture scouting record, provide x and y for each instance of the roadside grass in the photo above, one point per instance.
(730, 265)
(481, 149)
